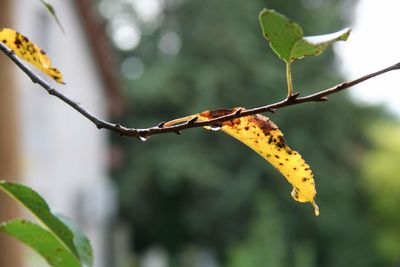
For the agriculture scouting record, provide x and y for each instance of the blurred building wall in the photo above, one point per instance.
(63, 155)
(10, 250)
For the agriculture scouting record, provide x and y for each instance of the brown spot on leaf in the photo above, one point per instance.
(211, 114)
(265, 124)
(280, 142)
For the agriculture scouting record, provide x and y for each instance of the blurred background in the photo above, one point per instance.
(203, 199)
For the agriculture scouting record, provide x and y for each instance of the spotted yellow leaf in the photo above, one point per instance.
(29, 52)
(263, 136)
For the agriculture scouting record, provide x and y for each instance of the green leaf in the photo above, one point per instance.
(42, 241)
(287, 39)
(38, 206)
(81, 242)
(52, 11)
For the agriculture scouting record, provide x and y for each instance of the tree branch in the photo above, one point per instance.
(143, 134)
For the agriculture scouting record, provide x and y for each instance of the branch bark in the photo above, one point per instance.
(160, 128)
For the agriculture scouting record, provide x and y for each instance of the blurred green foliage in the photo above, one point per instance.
(382, 185)
(205, 189)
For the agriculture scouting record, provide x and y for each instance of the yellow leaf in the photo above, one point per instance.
(29, 52)
(263, 136)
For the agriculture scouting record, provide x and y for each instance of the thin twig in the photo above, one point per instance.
(160, 128)
(75, 105)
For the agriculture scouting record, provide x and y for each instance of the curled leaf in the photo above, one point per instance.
(264, 137)
(29, 52)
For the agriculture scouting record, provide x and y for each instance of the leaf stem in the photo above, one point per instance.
(289, 80)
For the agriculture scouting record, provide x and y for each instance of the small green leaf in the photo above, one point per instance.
(287, 39)
(42, 241)
(52, 11)
(38, 206)
(81, 242)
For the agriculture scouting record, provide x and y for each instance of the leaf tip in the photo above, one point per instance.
(263, 11)
(346, 34)
(316, 208)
